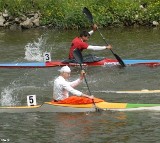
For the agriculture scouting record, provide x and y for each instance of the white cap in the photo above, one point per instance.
(65, 69)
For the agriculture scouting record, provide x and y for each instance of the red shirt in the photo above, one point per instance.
(77, 43)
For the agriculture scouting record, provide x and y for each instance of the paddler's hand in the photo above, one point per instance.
(88, 96)
(94, 27)
(91, 97)
(82, 74)
(108, 47)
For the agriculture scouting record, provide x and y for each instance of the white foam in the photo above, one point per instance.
(7, 97)
(34, 51)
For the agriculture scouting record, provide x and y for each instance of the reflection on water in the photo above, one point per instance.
(72, 127)
(63, 127)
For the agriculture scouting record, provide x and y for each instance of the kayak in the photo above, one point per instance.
(131, 91)
(102, 62)
(55, 107)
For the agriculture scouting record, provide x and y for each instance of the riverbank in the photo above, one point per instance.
(67, 14)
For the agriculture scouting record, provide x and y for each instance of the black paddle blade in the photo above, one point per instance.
(78, 56)
(88, 14)
(90, 18)
(120, 60)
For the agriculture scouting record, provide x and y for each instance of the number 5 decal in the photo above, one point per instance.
(31, 100)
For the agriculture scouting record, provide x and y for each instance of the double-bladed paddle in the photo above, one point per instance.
(79, 58)
(90, 18)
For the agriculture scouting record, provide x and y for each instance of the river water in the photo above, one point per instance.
(106, 127)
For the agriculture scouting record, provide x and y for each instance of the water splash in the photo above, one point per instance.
(8, 97)
(34, 51)
(10, 94)
(16, 92)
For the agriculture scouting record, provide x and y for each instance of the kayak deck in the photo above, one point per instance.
(50, 107)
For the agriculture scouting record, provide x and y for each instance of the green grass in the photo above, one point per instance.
(67, 14)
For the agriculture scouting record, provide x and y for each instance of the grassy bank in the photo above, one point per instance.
(68, 13)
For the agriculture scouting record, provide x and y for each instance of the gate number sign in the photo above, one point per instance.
(47, 57)
(31, 100)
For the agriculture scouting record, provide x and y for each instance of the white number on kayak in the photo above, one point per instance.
(31, 100)
(47, 57)
(110, 63)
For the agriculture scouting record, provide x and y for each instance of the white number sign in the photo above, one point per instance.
(47, 57)
(31, 100)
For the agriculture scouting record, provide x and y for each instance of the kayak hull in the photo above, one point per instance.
(50, 107)
(104, 62)
(46, 107)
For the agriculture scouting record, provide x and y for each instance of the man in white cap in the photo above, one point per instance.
(62, 87)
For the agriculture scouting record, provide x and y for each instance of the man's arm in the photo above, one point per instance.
(94, 28)
(79, 80)
(90, 47)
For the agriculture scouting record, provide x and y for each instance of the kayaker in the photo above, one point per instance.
(81, 42)
(62, 87)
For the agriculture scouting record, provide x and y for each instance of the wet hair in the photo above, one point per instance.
(84, 33)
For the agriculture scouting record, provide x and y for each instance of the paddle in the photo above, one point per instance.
(90, 18)
(79, 58)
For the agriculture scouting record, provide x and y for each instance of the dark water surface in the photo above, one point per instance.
(106, 127)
